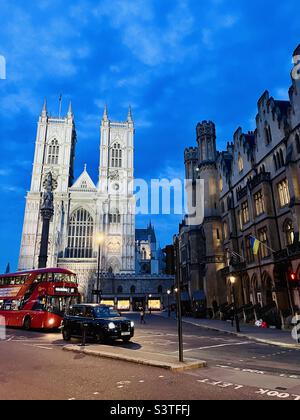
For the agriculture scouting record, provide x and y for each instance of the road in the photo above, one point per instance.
(33, 366)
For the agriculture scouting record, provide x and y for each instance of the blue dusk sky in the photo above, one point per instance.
(176, 62)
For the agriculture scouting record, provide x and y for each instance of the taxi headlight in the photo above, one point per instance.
(111, 326)
(132, 324)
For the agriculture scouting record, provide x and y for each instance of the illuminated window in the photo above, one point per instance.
(116, 156)
(283, 193)
(53, 152)
(263, 237)
(80, 237)
(225, 230)
(289, 232)
(245, 213)
(221, 184)
(259, 203)
(241, 163)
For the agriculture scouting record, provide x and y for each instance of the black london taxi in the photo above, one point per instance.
(100, 323)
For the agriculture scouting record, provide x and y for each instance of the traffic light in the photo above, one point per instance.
(294, 280)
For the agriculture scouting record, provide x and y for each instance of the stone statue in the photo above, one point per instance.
(48, 194)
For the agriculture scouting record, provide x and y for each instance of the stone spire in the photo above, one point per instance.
(70, 111)
(44, 110)
(105, 113)
(129, 117)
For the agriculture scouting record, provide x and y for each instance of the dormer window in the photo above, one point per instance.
(241, 163)
(268, 134)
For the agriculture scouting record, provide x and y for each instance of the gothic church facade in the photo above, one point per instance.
(82, 209)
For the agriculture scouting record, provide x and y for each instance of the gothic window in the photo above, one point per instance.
(120, 290)
(160, 290)
(275, 163)
(289, 232)
(132, 290)
(225, 230)
(53, 152)
(221, 184)
(116, 156)
(281, 158)
(241, 163)
(259, 203)
(283, 193)
(114, 217)
(249, 249)
(268, 134)
(297, 139)
(80, 235)
(144, 254)
(263, 237)
(245, 213)
(84, 185)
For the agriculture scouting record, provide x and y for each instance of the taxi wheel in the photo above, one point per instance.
(100, 338)
(27, 323)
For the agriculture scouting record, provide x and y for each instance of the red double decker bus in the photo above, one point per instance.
(37, 299)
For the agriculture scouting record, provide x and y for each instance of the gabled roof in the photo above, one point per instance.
(84, 183)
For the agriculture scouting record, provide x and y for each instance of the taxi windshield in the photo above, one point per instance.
(105, 312)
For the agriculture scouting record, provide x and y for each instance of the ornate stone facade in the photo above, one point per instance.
(82, 209)
(252, 188)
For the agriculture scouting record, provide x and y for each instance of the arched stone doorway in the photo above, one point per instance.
(254, 290)
(267, 290)
(246, 288)
(281, 271)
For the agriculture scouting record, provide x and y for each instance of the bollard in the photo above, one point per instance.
(84, 330)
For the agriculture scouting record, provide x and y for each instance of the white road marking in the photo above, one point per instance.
(214, 347)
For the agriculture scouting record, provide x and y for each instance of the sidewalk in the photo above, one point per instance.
(138, 356)
(250, 332)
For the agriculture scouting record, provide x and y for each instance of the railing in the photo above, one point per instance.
(242, 193)
(258, 179)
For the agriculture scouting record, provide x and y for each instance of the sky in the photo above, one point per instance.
(177, 62)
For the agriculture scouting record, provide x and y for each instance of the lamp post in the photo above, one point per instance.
(178, 299)
(100, 241)
(237, 321)
(169, 311)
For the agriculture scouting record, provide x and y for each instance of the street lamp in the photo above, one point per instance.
(178, 300)
(169, 311)
(99, 240)
(237, 321)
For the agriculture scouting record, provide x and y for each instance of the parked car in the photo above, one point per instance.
(100, 322)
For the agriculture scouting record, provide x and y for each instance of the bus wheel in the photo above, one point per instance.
(27, 323)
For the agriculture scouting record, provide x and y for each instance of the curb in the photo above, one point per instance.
(173, 367)
(248, 337)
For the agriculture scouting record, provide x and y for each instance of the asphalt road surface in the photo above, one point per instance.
(33, 366)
